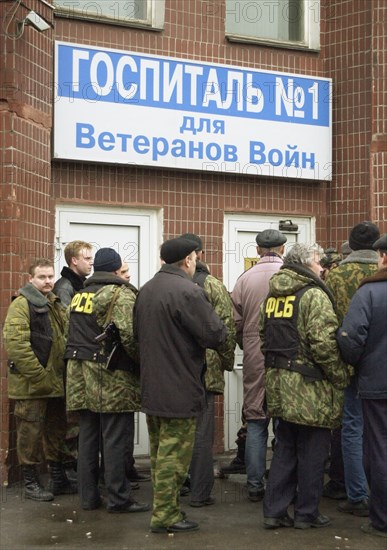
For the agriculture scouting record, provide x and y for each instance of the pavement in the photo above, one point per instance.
(232, 523)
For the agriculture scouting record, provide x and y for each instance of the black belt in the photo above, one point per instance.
(83, 355)
(311, 372)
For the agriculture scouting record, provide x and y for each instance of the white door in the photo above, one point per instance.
(240, 253)
(134, 234)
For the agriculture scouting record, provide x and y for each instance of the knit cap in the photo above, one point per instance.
(107, 259)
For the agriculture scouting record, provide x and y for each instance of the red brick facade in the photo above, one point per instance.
(353, 54)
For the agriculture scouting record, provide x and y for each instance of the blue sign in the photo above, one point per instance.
(122, 107)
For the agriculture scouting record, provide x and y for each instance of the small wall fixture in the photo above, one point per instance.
(288, 225)
(32, 18)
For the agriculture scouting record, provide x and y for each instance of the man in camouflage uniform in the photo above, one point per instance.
(330, 260)
(202, 464)
(105, 395)
(343, 282)
(34, 341)
(174, 324)
(305, 378)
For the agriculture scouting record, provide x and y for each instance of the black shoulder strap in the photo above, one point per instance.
(200, 277)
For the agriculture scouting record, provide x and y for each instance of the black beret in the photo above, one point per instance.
(196, 238)
(381, 244)
(177, 249)
(363, 235)
(107, 259)
(270, 238)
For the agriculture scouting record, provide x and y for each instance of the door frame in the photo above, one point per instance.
(233, 255)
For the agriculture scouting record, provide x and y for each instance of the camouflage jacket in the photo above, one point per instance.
(28, 379)
(344, 280)
(223, 358)
(289, 395)
(89, 384)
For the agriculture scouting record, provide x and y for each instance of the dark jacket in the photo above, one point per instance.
(362, 337)
(174, 324)
(68, 285)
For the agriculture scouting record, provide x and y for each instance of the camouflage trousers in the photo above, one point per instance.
(171, 445)
(41, 429)
(70, 446)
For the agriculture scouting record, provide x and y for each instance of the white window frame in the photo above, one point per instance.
(154, 17)
(311, 42)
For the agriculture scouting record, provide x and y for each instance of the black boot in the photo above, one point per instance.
(32, 487)
(60, 484)
(71, 471)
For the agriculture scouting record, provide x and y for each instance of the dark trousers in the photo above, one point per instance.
(108, 433)
(202, 467)
(336, 467)
(297, 471)
(375, 458)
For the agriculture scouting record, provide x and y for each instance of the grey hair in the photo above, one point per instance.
(303, 254)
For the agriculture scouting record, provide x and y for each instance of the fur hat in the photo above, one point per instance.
(270, 238)
(177, 249)
(107, 259)
(363, 235)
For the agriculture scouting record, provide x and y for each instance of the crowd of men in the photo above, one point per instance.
(87, 353)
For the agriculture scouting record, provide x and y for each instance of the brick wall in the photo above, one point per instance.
(26, 198)
(355, 57)
(378, 154)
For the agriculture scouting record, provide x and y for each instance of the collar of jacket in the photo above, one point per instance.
(133, 288)
(361, 257)
(33, 295)
(173, 270)
(75, 279)
(201, 267)
(105, 278)
(271, 255)
(378, 277)
(314, 280)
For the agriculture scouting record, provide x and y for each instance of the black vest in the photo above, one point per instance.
(83, 327)
(282, 340)
(200, 274)
(40, 332)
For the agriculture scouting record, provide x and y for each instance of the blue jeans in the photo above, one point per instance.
(352, 445)
(255, 453)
